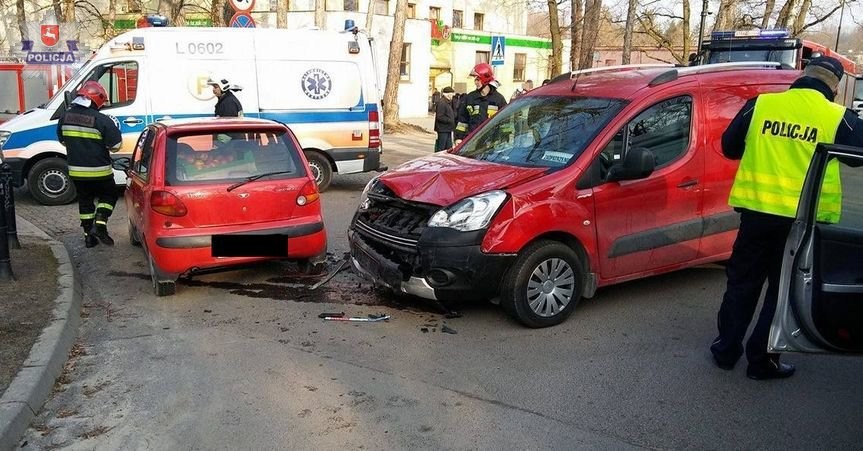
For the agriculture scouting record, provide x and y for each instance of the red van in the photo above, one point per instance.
(604, 177)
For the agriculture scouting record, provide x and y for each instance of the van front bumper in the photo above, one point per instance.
(17, 166)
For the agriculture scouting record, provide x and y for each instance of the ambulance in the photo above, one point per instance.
(322, 84)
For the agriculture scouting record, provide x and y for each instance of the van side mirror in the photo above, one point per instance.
(68, 96)
(638, 163)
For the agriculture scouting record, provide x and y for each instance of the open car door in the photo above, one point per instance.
(820, 305)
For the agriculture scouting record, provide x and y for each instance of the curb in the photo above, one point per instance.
(33, 383)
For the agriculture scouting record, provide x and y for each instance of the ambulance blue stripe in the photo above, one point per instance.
(24, 138)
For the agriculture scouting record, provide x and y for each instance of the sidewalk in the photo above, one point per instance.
(35, 380)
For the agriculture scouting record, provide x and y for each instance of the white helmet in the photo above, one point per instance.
(223, 84)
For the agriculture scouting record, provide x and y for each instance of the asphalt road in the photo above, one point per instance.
(240, 360)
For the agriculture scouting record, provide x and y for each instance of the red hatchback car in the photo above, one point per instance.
(604, 177)
(207, 194)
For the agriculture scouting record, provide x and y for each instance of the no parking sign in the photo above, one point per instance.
(242, 20)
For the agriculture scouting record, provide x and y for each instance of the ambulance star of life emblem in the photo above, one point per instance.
(316, 83)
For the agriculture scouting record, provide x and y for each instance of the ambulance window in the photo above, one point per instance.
(120, 81)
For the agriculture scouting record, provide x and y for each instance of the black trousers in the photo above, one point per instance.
(756, 257)
(89, 191)
(443, 142)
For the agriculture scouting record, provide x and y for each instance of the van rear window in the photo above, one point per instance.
(543, 131)
(229, 157)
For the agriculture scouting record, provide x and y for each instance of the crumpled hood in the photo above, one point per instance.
(444, 178)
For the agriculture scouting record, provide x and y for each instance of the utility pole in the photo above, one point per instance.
(701, 26)
(839, 31)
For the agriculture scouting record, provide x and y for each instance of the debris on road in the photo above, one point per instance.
(448, 330)
(342, 264)
(369, 319)
(331, 315)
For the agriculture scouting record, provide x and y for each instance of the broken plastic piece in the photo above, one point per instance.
(332, 315)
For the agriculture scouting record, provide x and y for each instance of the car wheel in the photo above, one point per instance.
(544, 284)
(160, 287)
(321, 169)
(49, 182)
(133, 236)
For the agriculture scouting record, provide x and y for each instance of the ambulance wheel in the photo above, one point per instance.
(160, 287)
(321, 169)
(49, 182)
(544, 284)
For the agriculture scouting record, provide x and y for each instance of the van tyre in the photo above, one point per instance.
(160, 287)
(49, 182)
(544, 284)
(133, 236)
(321, 169)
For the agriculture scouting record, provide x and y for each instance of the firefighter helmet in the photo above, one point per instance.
(95, 92)
(484, 73)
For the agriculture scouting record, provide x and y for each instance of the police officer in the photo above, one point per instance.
(228, 105)
(480, 104)
(89, 136)
(774, 135)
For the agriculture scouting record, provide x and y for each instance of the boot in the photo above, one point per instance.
(90, 240)
(100, 231)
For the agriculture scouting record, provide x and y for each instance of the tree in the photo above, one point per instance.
(590, 30)
(725, 14)
(217, 13)
(21, 13)
(320, 13)
(575, 31)
(556, 40)
(370, 16)
(173, 10)
(391, 91)
(768, 11)
(785, 14)
(627, 32)
(282, 14)
(676, 37)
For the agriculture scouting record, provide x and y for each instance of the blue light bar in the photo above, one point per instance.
(751, 34)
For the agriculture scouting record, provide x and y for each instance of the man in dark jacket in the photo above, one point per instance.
(444, 120)
(89, 136)
(480, 104)
(228, 105)
(765, 192)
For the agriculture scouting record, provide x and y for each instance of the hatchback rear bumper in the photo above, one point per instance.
(176, 255)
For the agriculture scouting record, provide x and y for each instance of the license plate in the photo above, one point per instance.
(249, 246)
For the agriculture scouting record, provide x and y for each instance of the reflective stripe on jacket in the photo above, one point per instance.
(88, 135)
(784, 131)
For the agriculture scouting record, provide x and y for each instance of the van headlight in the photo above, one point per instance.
(4, 136)
(472, 213)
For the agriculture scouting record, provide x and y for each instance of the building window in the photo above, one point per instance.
(405, 63)
(478, 20)
(352, 5)
(434, 13)
(412, 10)
(482, 57)
(520, 63)
(382, 7)
(457, 19)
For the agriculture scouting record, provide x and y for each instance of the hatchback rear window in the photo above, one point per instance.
(542, 131)
(230, 157)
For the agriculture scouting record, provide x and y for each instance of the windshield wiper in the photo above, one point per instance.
(255, 177)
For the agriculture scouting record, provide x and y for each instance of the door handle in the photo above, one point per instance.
(133, 121)
(687, 183)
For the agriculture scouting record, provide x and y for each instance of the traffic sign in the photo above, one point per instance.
(242, 5)
(242, 20)
(498, 48)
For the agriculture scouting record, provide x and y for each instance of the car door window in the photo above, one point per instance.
(120, 80)
(664, 129)
(143, 154)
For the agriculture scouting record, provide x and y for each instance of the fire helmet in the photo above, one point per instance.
(95, 92)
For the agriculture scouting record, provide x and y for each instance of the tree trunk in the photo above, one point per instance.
(592, 10)
(68, 11)
(217, 13)
(687, 32)
(370, 17)
(320, 13)
(785, 14)
(768, 11)
(282, 14)
(627, 31)
(173, 10)
(112, 14)
(724, 15)
(556, 40)
(800, 20)
(58, 10)
(21, 13)
(575, 34)
(391, 92)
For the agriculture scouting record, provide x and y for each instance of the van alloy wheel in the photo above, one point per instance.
(321, 170)
(49, 183)
(543, 285)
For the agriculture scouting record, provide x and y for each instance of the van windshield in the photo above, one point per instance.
(542, 131)
(230, 157)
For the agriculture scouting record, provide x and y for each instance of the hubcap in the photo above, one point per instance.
(53, 182)
(550, 287)
(316, 171)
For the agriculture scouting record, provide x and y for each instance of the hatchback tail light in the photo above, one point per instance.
(167, 204)
(374, 130)
(308, 194)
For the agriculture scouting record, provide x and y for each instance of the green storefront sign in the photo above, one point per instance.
(510, 42)
(128, 24)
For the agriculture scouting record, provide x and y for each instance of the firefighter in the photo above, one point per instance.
(89, 137)
(228, 105)
(774, 136)
(480, 104)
